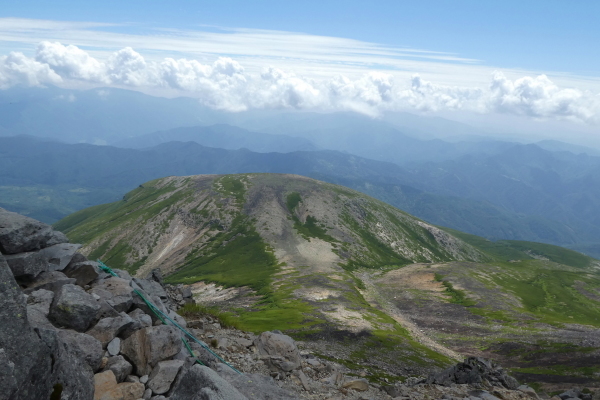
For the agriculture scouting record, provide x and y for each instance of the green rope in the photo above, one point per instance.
(164, 318)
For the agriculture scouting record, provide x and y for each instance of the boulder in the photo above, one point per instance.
(123, 274)
(104, 383)
(116, 292)
(20, 234)
(177, 318)
(73, 308)
(107, 329)
(202, 383)
(59, 255)
(155, 275)
(25, 361)
(151, 287)
(163, 375)
(186, 292)
(119, 366)
(140, 320)
(360, 385)
(158, 303)
(474, 371)
(83, 347)
(26, 265)
(146, 347)
(107, 388)
(254, 386)
(38, 308)
(83, 272)
(570, 394)
(49, 280)
(71, 374)
(105, 310)
(529, 391)
(131, 391)
(279, 351)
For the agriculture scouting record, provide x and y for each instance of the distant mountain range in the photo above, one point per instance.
(48, 180)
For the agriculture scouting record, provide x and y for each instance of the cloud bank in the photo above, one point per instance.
(225, 84)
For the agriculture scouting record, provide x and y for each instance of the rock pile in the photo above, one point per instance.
(68, 330)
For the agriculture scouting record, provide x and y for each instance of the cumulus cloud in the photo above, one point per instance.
(540, 97)
(16, 69)
(71, 62)
(225, 84)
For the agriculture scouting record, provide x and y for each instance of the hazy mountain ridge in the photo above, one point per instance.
(221, 136)
(51, 180)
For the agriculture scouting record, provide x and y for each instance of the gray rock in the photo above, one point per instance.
(73, 308)
(571, 393)
(120, 367)
(105, 310)
(140, 304)
(83, 272)
(49, 280)
(163, 375)
(83, 347)
(186, 292)
(116, 292)
(146, 347)
(147, 394)
(140, 320)
(70, 370)
(25, 362)
(202, 383)
(123, 274)
(243, 342)
(255, 386)
(108, 328)
(27, 265)
(151, 287)
(144, 379)
(155, 275)
(177, 318)
(279, 351)
(59, 255)
(38, 308)
(529, 391)
(19, 234)
(474, 371)
(114, 347)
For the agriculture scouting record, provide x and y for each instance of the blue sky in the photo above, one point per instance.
(534, 35)
(536, 60)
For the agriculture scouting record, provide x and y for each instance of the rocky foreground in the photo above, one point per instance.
(70, 330)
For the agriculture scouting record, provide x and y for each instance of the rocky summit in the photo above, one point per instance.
(70, 330)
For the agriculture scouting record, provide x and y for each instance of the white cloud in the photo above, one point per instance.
(71, 62)
(226, 84)
(539, 97)
(16, 69)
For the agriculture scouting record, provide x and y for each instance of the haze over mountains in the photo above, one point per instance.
(439, 170)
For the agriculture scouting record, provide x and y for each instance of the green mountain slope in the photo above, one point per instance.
(330, 264)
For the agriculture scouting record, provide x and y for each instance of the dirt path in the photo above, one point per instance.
(378, 300)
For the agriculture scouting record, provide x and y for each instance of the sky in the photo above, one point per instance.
(536, 60)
